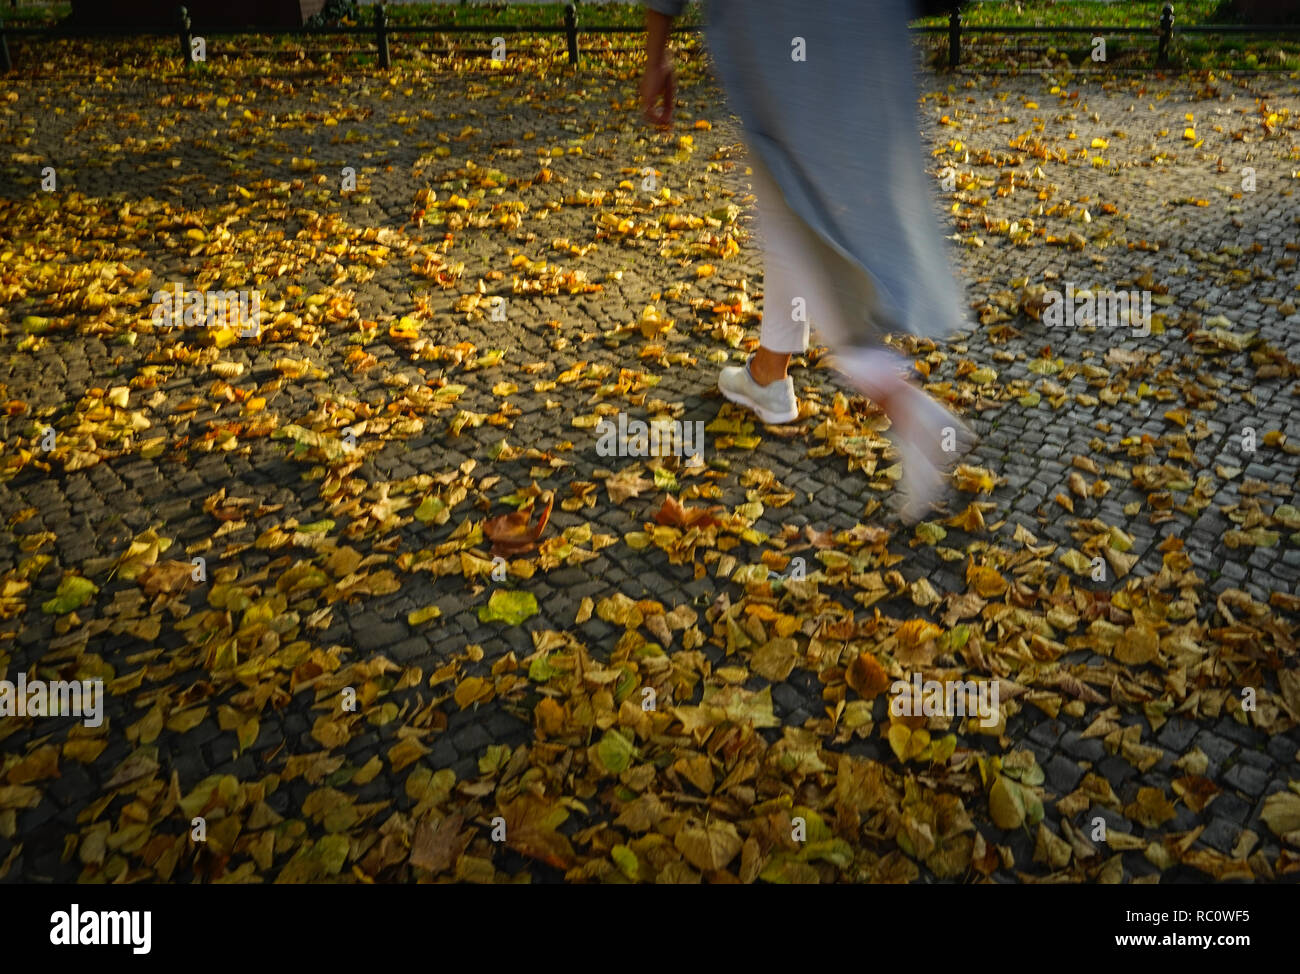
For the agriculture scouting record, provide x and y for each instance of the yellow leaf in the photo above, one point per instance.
(710, 847)
(471, 689)
(908, 743)
(418, 617)
(1006, 804)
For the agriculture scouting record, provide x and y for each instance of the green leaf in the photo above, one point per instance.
(332, 852)
(540, 670)
(930, 532)
(835, 851)
(615, 751)
(494, 759)
(1006, 804)
(73, 592)
(430, 510)
(304, 439)
(512, 608)
(726, 214)
(786, 869)
(1287, 516)
(955, 638)
(943, 749)
(626, 861)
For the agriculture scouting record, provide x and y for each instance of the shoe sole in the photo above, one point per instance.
(766, 415)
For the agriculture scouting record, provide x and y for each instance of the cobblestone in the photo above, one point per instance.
(95, 513)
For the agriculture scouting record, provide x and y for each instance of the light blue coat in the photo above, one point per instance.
(838, 131)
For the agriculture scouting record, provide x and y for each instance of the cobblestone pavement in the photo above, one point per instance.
(1095, 442)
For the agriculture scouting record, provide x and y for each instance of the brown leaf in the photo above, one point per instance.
(531, 824)
(436, 848)
(1196, 791)
(1051, 849)
(1151, 808)
(1281, 812)
(866, 676)
(674, 514)
(708, 847)
(166, 576)
(40, 764)
(627, 484)
(1139, 644)
(511, 534)
(775, 659)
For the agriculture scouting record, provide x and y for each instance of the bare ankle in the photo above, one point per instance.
(766, 367)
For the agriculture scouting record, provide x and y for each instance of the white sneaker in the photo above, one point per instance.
(774, 403)
(929, 438)
(923, 484)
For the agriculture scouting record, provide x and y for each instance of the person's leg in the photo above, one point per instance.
(767, 366)
(804, 273)
(798, 286)
(786, 279)
(763, 384)
(927, 435)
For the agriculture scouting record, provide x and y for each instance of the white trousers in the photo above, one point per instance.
(797, 288)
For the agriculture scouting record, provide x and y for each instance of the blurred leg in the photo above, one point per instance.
(798, 286)
(785, 272)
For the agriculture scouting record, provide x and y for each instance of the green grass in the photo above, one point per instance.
(984, 51)
(1218, 51)
(30, 14)
(1083, 12)
(1194, 51)
(529, 14)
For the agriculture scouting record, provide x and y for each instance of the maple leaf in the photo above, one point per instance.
(675, 514)
(436, 847)
(627, 484)
(531, 824)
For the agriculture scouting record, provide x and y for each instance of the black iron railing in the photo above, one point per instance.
(382, 32)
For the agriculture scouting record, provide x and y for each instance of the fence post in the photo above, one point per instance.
(381, 36)
(6, 65)
(954, 36)
(1166, 34)
(571, 29)
(187, 42)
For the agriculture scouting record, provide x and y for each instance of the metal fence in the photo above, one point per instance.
(382, 32)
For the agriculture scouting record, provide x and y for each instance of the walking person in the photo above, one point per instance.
(825, 92)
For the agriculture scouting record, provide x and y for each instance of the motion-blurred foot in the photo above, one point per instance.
(930, 440)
